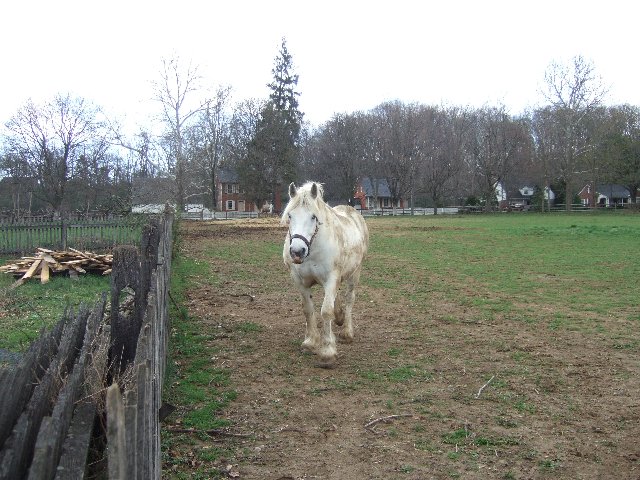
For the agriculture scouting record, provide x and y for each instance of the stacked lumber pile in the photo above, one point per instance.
(50, 262)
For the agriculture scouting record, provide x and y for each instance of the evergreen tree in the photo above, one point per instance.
(273, 153)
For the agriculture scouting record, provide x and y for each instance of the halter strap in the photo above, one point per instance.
(304, 239)
(301, 237)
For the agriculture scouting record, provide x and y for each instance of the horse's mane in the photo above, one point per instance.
(303, 197)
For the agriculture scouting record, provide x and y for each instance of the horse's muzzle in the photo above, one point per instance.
(298, 255)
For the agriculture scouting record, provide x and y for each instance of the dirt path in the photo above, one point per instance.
(423, 392)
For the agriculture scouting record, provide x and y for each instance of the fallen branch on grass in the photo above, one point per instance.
(477, 395)
(386, 419)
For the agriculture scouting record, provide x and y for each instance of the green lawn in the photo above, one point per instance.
(575, 266)
(26, 310)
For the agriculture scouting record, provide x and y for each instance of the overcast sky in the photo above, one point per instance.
(350, 54)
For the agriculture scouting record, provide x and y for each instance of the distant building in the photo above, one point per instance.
(520, 196)
(232, 199)
(606, 195)
(375, 193)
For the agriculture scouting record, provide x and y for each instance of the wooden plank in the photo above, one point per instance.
(49, 259)
(131, 418)
(32, 269)
(44, 274)
(73, 460)
(143, 421)
(117, 451)
(74, 262)
(82, 254)
(44, 451)
(77, 268)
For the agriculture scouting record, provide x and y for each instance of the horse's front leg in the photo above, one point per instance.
(312, 334)
(346, 333)
(327, 351)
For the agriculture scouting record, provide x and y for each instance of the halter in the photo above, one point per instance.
(304, 239)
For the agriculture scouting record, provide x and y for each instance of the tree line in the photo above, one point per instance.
(67, 155)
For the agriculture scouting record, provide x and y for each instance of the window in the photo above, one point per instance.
(230, 205)
(385, 202)
(229, 188)
(235, 188)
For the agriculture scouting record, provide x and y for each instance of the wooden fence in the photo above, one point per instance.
(225, 215)
(21, 237)
(84, 399)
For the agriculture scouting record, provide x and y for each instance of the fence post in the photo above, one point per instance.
(63, 232)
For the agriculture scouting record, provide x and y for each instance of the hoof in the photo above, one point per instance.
(345, 338)
(307, 347)
(328, 363)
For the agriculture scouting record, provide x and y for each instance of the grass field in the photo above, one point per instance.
(499, 346)
(26, 310)
(562, 271)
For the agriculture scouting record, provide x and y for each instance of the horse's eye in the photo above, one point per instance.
(313, 217)
(289, 215)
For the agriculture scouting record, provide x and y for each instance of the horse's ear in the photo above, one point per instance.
(292, 190)
(314, 190)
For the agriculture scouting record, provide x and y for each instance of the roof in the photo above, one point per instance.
(382, 184)
(613, 190)
(228, 175)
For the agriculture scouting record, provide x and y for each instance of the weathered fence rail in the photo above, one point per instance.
(13, 219)
(84, 399)
(211, 215)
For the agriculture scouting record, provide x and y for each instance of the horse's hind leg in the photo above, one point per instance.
(312, 334)
(338, 310)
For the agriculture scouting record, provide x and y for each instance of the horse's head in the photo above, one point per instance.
(303, 216)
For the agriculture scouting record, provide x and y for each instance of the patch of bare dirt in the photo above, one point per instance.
(423, 392)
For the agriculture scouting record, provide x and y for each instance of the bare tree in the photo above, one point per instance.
(142, 159)
(213, 132)
(242, 128)
(618, 153)
(546, 142)
(338, 155)
(441, 149)
(496, 144)
(174, 92)
(573, 91)
(398, 128)
(50, 138)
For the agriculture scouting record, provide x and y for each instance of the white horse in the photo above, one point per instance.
(324, 246)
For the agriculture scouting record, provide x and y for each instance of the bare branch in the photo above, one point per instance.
(386, 419)
(477, 395)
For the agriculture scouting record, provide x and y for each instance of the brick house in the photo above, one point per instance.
(230, 197)
(375, 193)
(605, 195)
